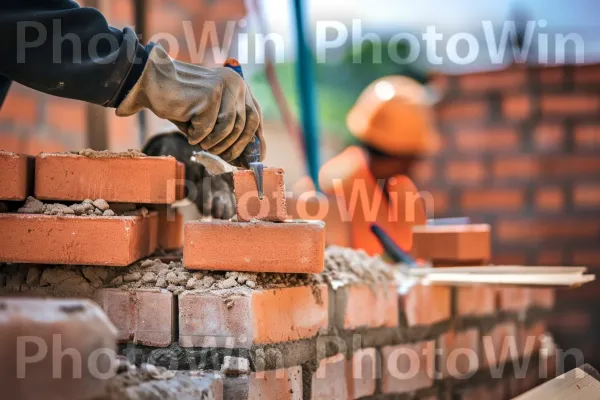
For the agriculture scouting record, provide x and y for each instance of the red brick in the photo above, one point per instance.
(71, 240)
(267, 316)
(280, 384)
(361, 373)
(465, 171)
(549, 199)
(574, 166)
(587, 137)
(486, 139)
(572, 321)
(407, 367)
(20, 108)
(586, 195)
(463, 110)
(170, 229)
(536, 230)
(288, 247)
(514, 299)
(493, 81)
(517, 107)
(570, 104)
(504, 257)
(66, 115)
(459, 353)
(423, 171)
(530, 338)
(549, 137)
(273, 205)
(492, 199)
(475, 301)
(329, 380)
(440, 202)
(454, 243)
(586, 75)
(425, 304)
(363, 306)
(62, 334)
(550, 257)
(552, 76)
(129, 180)
(523, 167)
(500, 344)
(586, 257)
(16, 173)
(142, 317)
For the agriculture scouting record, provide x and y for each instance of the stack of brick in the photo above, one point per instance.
(90, 232)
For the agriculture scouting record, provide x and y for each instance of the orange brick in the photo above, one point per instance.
(329, 380)
(586, 195)
(517, 107)
(586, 257)
(536, 230)
(280, 384)
(586, 75)
(494, 80)
(500, 344)
(516, 167)
(16, 176)
(459, 353)
(454, 243)
(66, 115)
(550, 257)
(288, 247)
(543, 298)
(73, 177)
(575, 166)
(552, 75)
(10, 141)
(570, 104)
(514, 299)
(530, 338)
(407, 367)
(71, 240)
(424, 304)
(465, 171)
(36, 145)
(475, 301)
(492, 199)
(361, 373)
(463, 110)
(268, 316)
(20, 108)
(549, 199)
(142, 317)
(273, 205)
(587, 137)
(362, 306)
(170, 229)
(71, 341)
(549, 137)
(423, 171)
(488, 139)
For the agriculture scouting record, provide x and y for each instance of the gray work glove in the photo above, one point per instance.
(213, 107)
(212, 195)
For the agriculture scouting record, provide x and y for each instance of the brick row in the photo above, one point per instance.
(16, 176)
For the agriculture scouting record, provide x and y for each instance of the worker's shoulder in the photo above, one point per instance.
(350, 164)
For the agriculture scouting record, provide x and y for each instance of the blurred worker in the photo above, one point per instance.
(65, 50)
(369, 182)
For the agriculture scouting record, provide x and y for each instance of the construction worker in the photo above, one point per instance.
(369, 182)
(60, 48)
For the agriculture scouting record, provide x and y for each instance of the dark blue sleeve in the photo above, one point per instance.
(59, 48)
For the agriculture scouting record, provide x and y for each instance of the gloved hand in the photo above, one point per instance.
(213, 107)
(212, 195)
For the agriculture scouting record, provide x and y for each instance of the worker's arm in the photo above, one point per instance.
(65, 50)
(62, 49)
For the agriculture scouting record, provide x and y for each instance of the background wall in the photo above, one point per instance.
(521, 151)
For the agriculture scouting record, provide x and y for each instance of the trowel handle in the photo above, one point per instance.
(251, 153)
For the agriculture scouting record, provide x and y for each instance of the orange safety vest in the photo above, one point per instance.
(354, 200)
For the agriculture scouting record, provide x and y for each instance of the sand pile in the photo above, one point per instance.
(131, 153)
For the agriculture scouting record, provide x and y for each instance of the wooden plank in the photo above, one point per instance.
(508, 279)
(498, 269)
(580, 383)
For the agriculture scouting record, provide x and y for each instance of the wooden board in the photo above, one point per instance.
(580, 383)
(507, 279)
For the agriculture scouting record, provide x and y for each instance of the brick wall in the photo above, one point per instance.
(522, 152)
